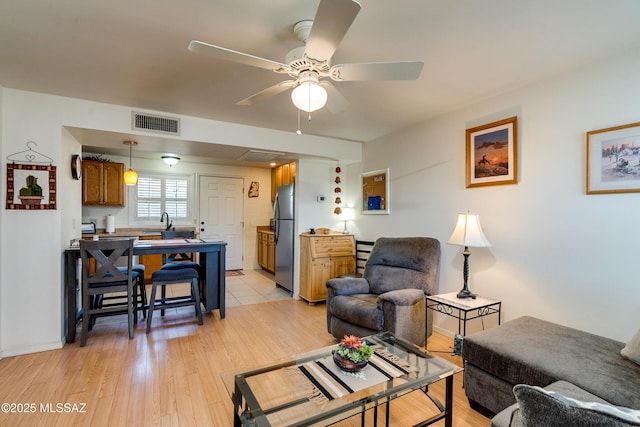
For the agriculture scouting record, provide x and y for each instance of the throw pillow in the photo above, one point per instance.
(631, 351)
(539, 407)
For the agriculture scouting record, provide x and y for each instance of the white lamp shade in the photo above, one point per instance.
(171, 160)
(130, 177)
(468, 232)
(348, 214)
(309, 96)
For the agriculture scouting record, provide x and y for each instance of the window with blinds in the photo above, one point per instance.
(157, 194)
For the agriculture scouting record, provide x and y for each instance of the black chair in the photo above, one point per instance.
(139, 291)
(169, 277)
(179, 261)
(108, 280)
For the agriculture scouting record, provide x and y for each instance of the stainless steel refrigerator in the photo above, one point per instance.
(283, 232)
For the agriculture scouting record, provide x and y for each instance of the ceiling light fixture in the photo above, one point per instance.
(171, 160)
(130, 176)
(309, 95)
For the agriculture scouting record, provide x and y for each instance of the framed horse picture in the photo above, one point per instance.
(492, 154)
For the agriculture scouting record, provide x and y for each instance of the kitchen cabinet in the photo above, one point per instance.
(323, 257)
(282, 175)
(102, 183)
(267, 250)
(151, 262)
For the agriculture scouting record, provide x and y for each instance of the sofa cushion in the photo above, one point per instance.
(539, 407)
(632, 350)
(532, 351)
(360, 309)
(511, 416)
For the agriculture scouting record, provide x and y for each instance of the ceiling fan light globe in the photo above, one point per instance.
(309, 96)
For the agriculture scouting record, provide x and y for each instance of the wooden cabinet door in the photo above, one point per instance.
(319, 272)
(262, 249)
(271, 252)
(151, 262)
(91, 182)
(102, 183)
(113, 184)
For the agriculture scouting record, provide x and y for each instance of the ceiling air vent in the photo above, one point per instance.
(141, 121)
(259, 156)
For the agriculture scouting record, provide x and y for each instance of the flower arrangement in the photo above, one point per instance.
(353, 349)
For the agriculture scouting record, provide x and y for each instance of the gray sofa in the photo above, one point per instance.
(539, 353)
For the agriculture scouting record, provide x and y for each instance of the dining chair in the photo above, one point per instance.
(179, 261)
(107, 280)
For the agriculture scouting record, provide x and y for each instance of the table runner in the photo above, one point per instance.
(330, 382)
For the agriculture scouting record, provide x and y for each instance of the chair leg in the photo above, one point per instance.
(143, 296)
(135, 302)
(152, 303)
(86, 319)
(196, 292)
(130, 310)
(164, 296)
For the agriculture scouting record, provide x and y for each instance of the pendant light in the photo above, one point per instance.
(130, 176)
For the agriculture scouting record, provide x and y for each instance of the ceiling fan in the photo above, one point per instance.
(309, 66)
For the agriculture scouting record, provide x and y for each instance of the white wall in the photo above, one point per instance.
(557, 253)
(31, 304)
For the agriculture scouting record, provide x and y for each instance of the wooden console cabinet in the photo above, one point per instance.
(323, 257)
(267, 250)
(102, 183)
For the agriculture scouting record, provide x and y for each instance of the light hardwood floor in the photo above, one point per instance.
(172, 377)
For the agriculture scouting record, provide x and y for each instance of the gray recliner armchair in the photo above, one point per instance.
(390, 296)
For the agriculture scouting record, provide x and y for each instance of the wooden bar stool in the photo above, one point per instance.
(170, 277)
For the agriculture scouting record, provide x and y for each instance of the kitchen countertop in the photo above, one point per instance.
(134, 232)
(264, 229)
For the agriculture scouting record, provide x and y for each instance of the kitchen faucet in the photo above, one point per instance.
(169, 224)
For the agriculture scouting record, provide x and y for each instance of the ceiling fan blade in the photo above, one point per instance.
(336, 103)
(268, 92)
(332, 21)
(404, 70)
(235, 56)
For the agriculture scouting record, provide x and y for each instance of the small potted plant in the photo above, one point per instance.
(352, 354)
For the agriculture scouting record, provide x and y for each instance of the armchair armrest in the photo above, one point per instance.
(348, 285)
(402, 297)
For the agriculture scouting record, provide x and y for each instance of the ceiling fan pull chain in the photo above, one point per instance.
(299, 132)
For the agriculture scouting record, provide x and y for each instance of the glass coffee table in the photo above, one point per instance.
(309, 389)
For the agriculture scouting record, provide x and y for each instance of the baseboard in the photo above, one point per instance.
(443, 331)
(20, 350)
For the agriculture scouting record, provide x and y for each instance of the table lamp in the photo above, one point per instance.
(348, 214)
(468, 232)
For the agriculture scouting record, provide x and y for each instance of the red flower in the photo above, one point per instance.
(351, 341)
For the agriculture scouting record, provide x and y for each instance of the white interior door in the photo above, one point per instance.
(221, 215)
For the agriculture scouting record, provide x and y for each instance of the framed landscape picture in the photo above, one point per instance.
(492, 153)
(613, 160)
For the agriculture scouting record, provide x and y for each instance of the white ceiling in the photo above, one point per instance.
(134, 53)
